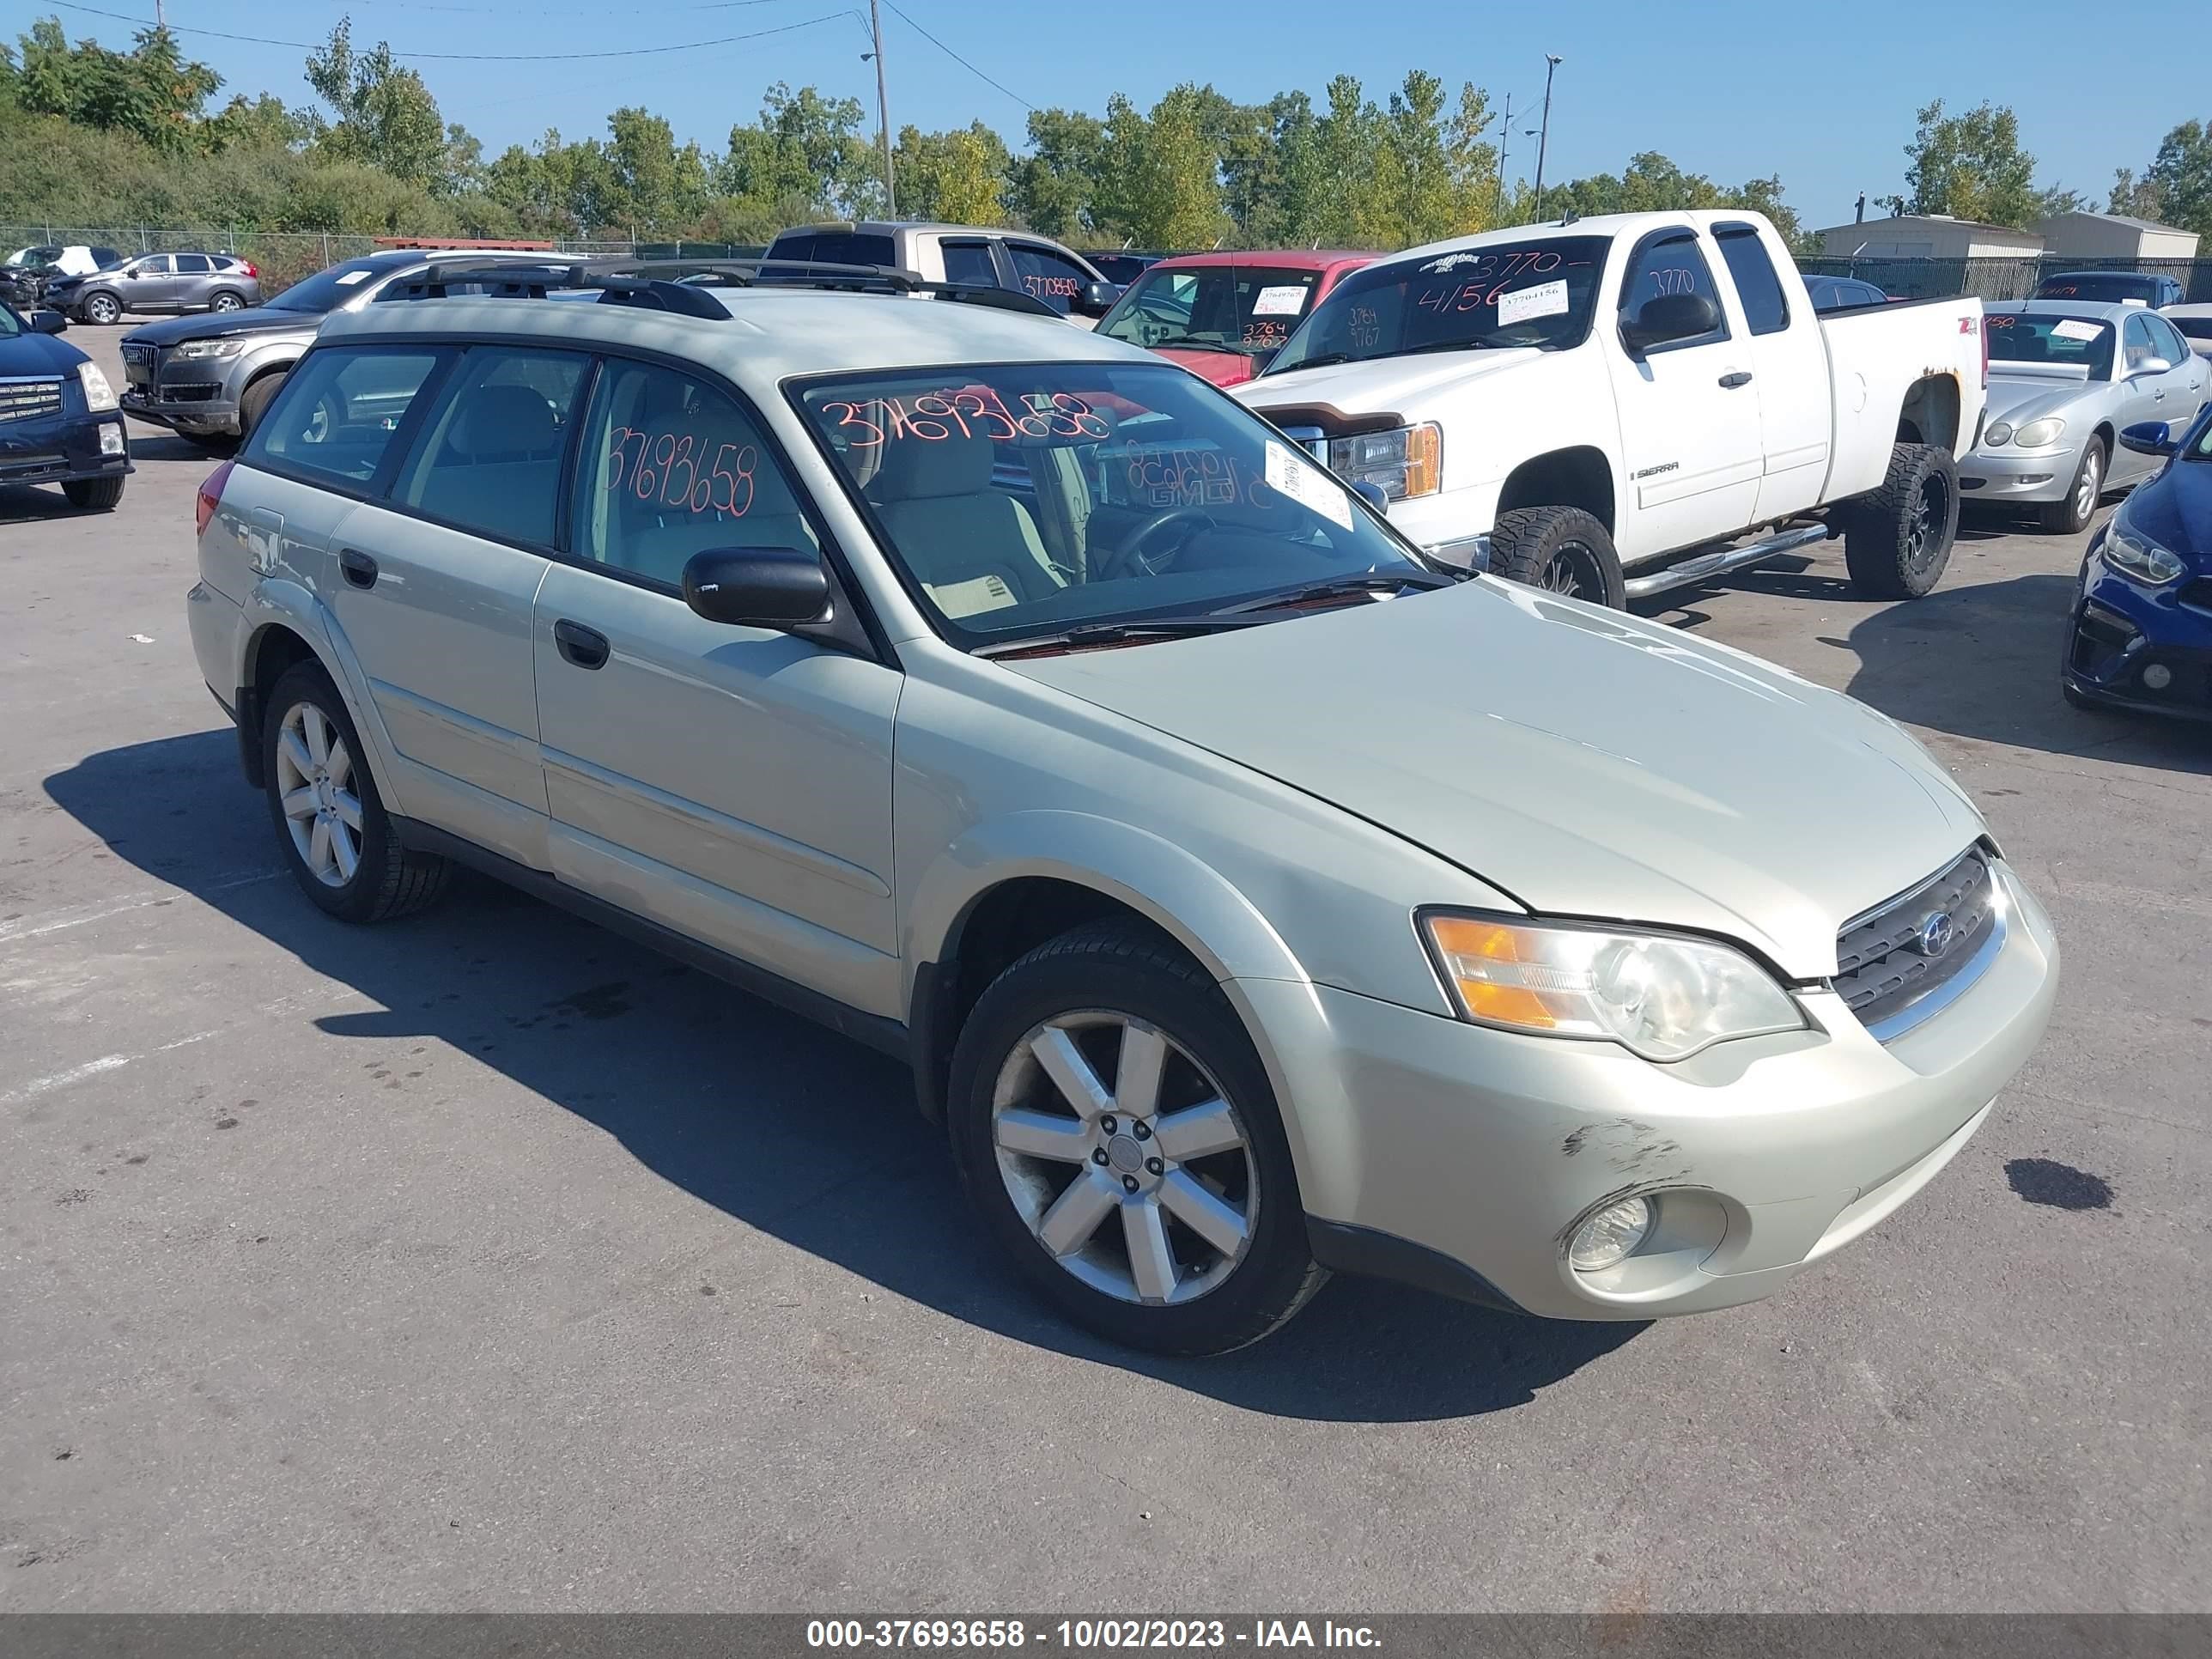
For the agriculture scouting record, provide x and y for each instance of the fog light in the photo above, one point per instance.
(111, 441)
(1609, 1235)
(2158, 676)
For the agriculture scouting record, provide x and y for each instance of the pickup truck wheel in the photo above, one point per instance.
(2071, 516)
(331, 824)
(253, 402)
(1113, 1123)
(1897, 539)
(1561, 550)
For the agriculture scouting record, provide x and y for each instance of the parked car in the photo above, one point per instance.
(209, 377)
(1043, 270)
(1121, 266)
(2065, 376)
(2141, 631)
(58, 420)
(71, 259)
(1224, 315)
(2194, 325)
(1237, 926)
(1568, 404)
(1842, 292)
(2115, 287)
(156, 282)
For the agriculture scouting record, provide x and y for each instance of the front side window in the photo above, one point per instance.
(1045, 274)
(670, 466)
(1244, 310)
(1539, 292)
(2136, 343)
(489, 458)
(339, 411)
(1670, 263)
(1764, 306)
(158, 265)
(1025, 499)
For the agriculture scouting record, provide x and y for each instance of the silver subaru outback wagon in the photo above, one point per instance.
(1251, 898)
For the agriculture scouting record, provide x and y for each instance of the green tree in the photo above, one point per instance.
(2182, 177)
(384, 115)
(805, 148)
(152, 91)
(2135, 198)
(1970, 166)
(958, 176)
(1052, 189)
(656, 186)
(261, 124)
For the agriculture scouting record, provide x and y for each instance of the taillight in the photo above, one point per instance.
(210, 497)
(249, 268)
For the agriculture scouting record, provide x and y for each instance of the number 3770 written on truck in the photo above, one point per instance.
(1613, 407)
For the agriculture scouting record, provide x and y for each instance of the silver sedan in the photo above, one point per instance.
(2066, 378)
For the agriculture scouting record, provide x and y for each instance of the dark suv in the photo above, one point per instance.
(2110, 288)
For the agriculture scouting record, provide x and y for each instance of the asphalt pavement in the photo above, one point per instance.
(486, 1260)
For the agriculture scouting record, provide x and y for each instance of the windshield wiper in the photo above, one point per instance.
(1192, 343)
(1337, 588)
(1451, 345)
(1086, 633)
(1322, 361)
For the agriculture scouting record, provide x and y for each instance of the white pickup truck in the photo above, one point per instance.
(1609, 407)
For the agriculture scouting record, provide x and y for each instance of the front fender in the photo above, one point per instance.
(288, 603)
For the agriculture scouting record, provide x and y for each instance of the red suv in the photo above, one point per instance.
(1224, 315)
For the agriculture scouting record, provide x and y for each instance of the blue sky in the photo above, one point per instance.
(1730, 89)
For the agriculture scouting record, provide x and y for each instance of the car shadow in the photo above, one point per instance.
(780, 1125)
(158, 446)
(31, 503)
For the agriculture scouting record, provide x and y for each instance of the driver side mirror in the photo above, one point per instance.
(1094, 299)
(779, 587)
(48, 322)
(2149, 365)
(1667, 319)
(2149, 438)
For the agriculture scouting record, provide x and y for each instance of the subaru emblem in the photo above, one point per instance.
(1935, 935)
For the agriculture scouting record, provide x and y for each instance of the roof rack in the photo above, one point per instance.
(622, 280)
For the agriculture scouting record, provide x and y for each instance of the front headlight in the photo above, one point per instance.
(2134, 554)
(98, 394)
(2036, 434)
(1999, 432)
(1407, 460)
(1661, 996)
(202, 350)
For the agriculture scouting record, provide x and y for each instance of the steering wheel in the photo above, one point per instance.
(1131, 551)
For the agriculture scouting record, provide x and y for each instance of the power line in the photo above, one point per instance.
(466, 56)
(958, 60)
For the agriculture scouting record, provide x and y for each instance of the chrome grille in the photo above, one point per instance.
(1895, 956)
(25, 400)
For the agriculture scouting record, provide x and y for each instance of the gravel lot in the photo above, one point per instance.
(484, 1261)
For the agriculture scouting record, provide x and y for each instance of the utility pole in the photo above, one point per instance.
(161, 16)
(1504, 139)
(883, 108)
(1544, 133)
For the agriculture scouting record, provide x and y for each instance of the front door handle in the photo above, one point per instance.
(360, 569)
(587, 648)
(1741, 377)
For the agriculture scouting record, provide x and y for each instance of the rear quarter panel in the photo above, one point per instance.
(1876, 357)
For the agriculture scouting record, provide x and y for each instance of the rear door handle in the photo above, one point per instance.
(587, 648)
(1741, 377)
(360, 569)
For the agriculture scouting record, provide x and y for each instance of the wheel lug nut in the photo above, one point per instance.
(1154, 1165)
(1108, 1124)
(1097, 1154)
(1142, 1131)
(1130, 1183)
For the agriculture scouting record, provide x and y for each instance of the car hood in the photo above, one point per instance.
(220, 325)
(1379, 385)
(2019, 399)
(38, 354)
(2175, 510)
(1586, 763)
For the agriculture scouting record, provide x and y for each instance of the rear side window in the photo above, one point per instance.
(1047, 276)
(1764, 306)
(835, 247)
(489, 459)
(2170, 344)
(193, 265)
(970, 262)
(668, 467)
(338, 411)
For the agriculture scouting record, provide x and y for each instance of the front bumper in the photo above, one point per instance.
(62, 448)
(195, 413)
(1462, 1147)
(2025, 476)
(2122, 637)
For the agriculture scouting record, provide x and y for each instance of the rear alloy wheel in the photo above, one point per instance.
(2071, 516)
(104, 309)
(1114, 1124)
(225, 300)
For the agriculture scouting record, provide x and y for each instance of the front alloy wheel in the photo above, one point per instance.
(102, 308)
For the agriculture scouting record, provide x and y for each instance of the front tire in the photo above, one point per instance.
(96, 495)
(1113, 1123)
(253, 403)
(331, 824)
(1898, 537)
(104, 309)
(2071, 516)
(1561, 550)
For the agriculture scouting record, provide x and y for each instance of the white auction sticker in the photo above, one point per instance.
(2071, 329)
(1285, 301)
(1545, 300)
(1305, 483)
(353, 277)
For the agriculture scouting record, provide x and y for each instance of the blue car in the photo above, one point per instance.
(58, 419)
(2140, 637)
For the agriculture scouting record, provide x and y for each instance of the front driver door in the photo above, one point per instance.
(733, 784)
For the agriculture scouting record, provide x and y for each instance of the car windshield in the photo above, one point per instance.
(1246, 309)
(1513, 293)
(2077, 341)
(326, 290)
(1032, 498)
(2091, 285)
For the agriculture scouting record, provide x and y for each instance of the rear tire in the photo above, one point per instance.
(1561, 550)
(253, 402)
(226, 300)
(97, 494)
(2071, 516)
(331, 824)
(1897, 539)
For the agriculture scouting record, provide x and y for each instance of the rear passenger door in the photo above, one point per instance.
(194, 281)
(1788, 366)
(731, 783)
(435, 585)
